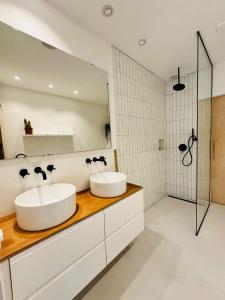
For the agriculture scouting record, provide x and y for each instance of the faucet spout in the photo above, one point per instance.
(39, 170)
(101, 158)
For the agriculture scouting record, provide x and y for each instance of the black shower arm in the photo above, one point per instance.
(178, 74)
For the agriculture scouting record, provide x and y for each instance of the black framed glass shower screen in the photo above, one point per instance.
(204, 111)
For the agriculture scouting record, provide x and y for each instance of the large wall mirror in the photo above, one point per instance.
(50, 102)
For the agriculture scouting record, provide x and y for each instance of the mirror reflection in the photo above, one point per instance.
(50, 102)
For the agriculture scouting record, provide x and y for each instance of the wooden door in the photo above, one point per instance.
(218, 150)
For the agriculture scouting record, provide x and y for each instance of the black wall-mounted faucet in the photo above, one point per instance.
(24, 172)
(39, 170)
(50, 168)
(101, 158)
(95, 159)
(88, 161)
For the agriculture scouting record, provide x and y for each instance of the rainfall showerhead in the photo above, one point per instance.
(179, 86)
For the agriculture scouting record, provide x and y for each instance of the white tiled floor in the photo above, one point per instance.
(167, 261)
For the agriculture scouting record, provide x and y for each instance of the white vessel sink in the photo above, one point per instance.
(108, 184)
(46, 206)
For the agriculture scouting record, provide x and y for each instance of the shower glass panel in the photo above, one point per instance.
(204, 101)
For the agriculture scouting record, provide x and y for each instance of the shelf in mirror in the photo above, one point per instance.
(48, 135)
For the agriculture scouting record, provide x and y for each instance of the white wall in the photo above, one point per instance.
(42, 21)
(69, 168)
(46, 113)
(219, 79)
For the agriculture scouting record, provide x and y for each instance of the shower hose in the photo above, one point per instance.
(191, 141)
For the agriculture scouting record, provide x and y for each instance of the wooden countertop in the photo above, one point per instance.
(17, 240)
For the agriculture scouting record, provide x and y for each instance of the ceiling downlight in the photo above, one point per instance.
(142, 42)
(220, 27)
(107, 10)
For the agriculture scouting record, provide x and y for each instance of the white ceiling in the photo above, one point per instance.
(168, 25)
(37, 67)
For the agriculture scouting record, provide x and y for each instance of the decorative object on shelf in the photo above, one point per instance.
(28, 128)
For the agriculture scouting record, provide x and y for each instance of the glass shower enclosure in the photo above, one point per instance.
(203, 151)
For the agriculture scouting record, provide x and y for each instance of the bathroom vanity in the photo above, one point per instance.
(59, 262)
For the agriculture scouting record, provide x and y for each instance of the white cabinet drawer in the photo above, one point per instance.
(5, 281)
(71, 281)
(120, 213)
(124, 236)
(34, 267)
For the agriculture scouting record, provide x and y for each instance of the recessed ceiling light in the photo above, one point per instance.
(220, 27)
(142, 42)
(75, 92)
(50, 86)
(107, 10)
(16, 77)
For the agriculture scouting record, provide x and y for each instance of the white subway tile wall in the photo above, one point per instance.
(140, 112)
(181, 117)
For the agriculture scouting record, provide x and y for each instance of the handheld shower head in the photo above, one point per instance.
(193, 135)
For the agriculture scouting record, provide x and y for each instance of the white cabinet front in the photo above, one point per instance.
(61, 266)
(34, 267)
(120, 213)
(70, 282)
(5, 281)
(121, 238)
